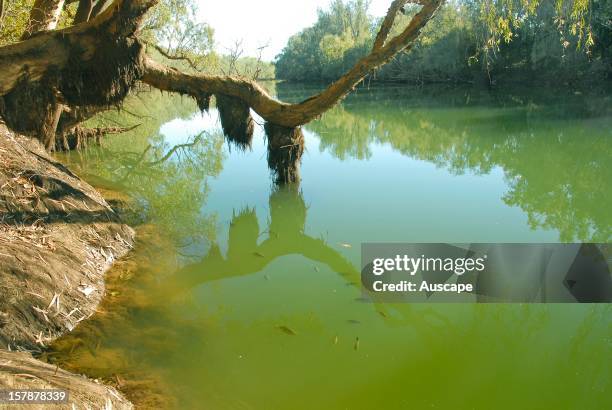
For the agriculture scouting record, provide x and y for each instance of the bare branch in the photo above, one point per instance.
(172, 56)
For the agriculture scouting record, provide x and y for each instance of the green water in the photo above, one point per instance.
(245, 297)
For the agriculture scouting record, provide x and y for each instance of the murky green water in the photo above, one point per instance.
(245, 296)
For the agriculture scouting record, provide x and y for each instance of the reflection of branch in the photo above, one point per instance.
(174, 149)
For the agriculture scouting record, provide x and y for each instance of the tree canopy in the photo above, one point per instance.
(472, 40)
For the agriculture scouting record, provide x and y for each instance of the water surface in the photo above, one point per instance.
(243, 295)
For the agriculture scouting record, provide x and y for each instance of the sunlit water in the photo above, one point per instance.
(241, 295)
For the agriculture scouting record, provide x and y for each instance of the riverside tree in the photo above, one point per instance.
(55, 78)
(69, 66)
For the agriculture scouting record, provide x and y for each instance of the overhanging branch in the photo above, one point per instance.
(293, 115)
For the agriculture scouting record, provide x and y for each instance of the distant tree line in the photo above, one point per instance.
(475, 41)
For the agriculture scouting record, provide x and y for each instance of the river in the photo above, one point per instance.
(244, 295)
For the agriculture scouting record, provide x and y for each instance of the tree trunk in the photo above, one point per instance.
(44, 16)
(1, 11)
(86, 67)
(83, 11)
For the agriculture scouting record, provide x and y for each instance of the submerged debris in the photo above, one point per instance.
(287, 330)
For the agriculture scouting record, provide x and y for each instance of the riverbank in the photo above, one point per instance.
(58, 237)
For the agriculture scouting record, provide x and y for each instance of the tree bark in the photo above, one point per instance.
(83, 11)
(99, 7)
(91, 65)
(1, 11)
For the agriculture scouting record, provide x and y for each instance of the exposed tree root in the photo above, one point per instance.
(285, 149)
(236, 120)
(79, 137)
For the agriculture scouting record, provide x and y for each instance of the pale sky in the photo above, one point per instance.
(261, 22)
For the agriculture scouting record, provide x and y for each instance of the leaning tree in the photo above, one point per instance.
(54, 79)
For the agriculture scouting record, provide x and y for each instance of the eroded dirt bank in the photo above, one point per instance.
(58, 236)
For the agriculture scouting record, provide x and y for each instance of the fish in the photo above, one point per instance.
(383, 314)
(261, 255)
(287, 330)
(354, 322)
(346, 245)
(356, 345)
(336, 339)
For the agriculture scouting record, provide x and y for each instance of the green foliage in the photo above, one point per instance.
(174, 27)
(553, 161)
(170, 188)
(13, 25)
(468, 41)
(323, 50)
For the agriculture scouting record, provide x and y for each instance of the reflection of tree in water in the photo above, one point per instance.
(557, 170)
(246, 254)
(170, 182)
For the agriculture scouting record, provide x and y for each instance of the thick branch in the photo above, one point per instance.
(387, 23)
(36, 56)
(277, 112)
